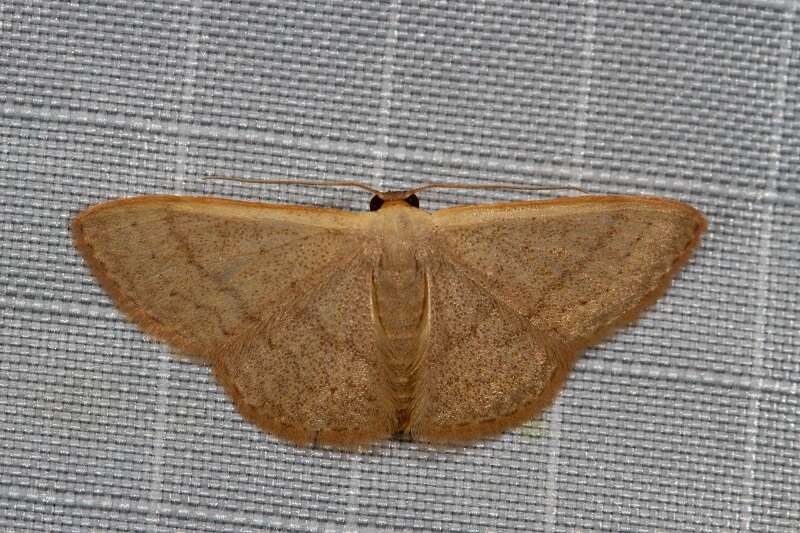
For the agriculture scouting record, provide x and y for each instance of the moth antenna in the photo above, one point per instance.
(498, 186)
(311, 183)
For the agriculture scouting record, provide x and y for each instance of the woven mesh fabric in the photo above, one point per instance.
(686, 422)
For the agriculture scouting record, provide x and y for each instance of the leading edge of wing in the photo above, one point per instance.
(301, 211)
(528, 206)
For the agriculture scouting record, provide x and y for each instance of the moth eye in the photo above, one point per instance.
(412, 200)
(375, 203)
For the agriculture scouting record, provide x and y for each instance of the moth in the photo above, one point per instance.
(344, 328)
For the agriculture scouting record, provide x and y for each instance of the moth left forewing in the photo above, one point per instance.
(191, 271)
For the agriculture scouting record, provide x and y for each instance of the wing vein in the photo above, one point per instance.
(484, 285)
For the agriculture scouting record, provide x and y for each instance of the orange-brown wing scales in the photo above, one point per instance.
(575, 267)
(314, 372)
(529, 286)
(485, 365)
(276, 299)
(280, 302)
(193, 273)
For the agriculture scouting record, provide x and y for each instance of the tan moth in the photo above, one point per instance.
(345, 328)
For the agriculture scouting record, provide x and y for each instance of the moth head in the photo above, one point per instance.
(381, 198)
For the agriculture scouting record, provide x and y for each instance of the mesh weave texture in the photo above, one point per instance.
(686, 422)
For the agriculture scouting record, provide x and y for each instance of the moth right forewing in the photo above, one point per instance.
(574, 266)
